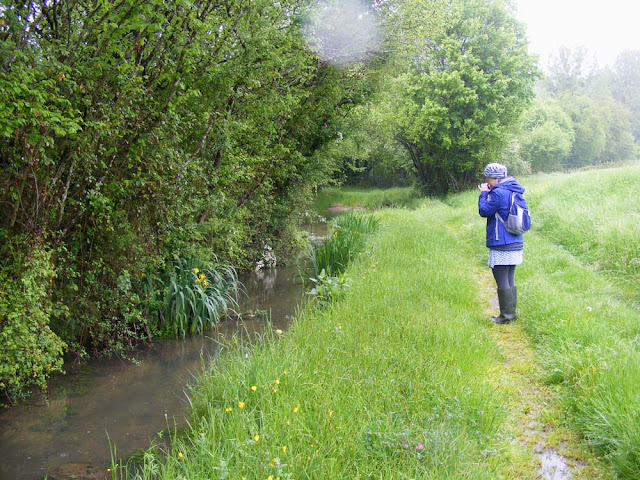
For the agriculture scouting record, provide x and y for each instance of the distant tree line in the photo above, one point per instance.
(142, 134)
(582, 116)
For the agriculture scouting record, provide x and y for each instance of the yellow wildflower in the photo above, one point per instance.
(240, 404)
(284, 449)
(277, 381)
(254, 388)
(256, 438)
(196, 271)
(180, 455)
(228, 409)
(296, 408)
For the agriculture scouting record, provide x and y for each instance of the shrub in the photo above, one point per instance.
(326, 289)
(29, 350)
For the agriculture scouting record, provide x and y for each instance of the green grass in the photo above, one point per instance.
(389, 383)
(403, 378)
(371, 199)
(601, 226)
(350, 233)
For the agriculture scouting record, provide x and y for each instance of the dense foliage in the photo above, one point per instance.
(459, 97)
(141, 135)
(138, 132)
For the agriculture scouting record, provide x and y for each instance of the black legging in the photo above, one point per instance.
(505, 276)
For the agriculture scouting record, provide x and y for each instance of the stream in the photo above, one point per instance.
(114, 400)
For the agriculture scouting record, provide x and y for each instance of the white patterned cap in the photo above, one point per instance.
(495, 170)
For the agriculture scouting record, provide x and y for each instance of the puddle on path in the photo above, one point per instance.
(554, 466)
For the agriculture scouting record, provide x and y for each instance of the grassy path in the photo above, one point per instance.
(534, 419)
(534, 424)
(406, 377)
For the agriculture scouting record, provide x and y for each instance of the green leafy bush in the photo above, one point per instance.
(326, 289)
(29, 350)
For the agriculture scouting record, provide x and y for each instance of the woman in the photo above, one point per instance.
(505, 249)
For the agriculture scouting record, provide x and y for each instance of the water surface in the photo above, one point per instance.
(130, 402)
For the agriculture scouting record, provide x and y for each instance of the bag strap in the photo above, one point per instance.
(513, 196)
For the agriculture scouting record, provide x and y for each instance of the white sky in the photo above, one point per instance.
(604, 27)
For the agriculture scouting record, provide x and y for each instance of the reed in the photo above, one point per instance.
(350, 232)
(196, 298)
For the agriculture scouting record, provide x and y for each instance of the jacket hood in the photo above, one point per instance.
(510, 184)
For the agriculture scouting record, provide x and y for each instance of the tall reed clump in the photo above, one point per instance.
(329, 259)
(191, 297)
(350, 232)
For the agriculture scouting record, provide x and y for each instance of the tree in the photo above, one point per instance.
(139, 131)
(546, 137)
(601, 124)
(454, 105)
(626, 86)
(620, 142)
(571, 70)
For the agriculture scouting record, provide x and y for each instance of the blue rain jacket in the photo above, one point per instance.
(499, 200)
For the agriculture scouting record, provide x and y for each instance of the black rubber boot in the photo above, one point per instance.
(507, 300)
(515, 301)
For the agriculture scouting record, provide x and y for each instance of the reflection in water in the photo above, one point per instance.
(129, 402)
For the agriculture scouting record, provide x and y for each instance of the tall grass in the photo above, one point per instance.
(595, 215)
(350, 233)
(583, 302)
(392, 382)
(196, 297)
